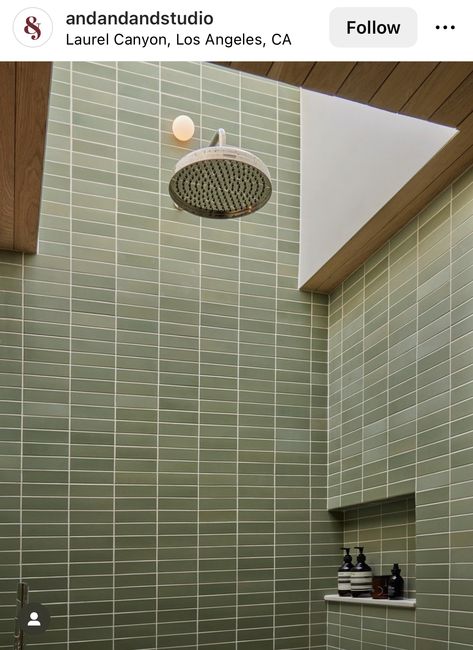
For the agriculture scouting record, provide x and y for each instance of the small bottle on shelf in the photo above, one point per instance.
(396, 584)
(344, 574)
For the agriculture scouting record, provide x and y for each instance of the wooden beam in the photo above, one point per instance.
(32, 97)
(7, 155)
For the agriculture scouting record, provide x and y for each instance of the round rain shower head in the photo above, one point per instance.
(220, 182)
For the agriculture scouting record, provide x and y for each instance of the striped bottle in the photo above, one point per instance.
(344, 574)
(361, 578)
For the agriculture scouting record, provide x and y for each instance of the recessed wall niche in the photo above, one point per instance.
(387, 530)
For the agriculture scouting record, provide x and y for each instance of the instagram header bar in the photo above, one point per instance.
(244, 31)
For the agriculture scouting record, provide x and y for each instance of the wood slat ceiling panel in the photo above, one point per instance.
(294, 72)
(401, 84)
(436, 89)
(364, 80)
(458, 106)
(327, 77)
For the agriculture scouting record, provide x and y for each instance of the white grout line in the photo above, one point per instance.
(363, 389)
(388, 374)
(158, 351)
(329, 401)
(69, 451)
(114, 497)
(237, 495)
(199, 395)
(310, 482)
(342, 316)
(449, 620)
(275, 439)
(416, 451)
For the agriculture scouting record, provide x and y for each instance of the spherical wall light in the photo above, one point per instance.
(183, 128)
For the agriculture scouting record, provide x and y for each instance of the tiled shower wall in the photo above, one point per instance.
(163, 381)
(401, 416)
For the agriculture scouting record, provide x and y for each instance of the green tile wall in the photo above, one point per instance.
(163, 391)
(401, 414)
(163, 382)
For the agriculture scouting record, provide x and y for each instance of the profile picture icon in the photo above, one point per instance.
(32, 27)
(34, 622)
(34, 618)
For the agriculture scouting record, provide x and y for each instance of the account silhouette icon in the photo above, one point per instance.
(33, 622)
(34, 618)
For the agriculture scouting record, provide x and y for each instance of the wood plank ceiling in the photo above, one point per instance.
(440, 92)
(24, 98)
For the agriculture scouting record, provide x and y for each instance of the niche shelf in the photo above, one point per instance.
(406, 603)
(387, 530)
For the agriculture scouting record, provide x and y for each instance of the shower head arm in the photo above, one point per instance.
(219, 139)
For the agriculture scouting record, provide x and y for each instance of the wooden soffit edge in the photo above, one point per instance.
(24, 100)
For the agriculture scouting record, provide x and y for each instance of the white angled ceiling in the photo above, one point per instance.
(354, 159)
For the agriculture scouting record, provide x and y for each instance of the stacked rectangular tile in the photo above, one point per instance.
(402, 423)
(433, 421)
(325, 527)
(351, 389)
(376, 400)
(218, 392)
(334, 400)
(138, 234)
(92, 372)
(425, 446)
(174, 380)
(179, 308)
(293, 343)
(257, 480)
(461, 449)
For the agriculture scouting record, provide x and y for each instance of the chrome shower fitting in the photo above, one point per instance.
(220, 181)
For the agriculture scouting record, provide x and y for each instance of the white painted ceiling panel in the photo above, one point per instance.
(354, 159)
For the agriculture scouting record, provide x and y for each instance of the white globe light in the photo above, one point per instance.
(183, 128)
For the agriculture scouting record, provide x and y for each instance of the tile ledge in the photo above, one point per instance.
(406, 603)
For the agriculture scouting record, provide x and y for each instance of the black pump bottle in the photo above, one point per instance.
(396, 584)
(361, 581)
(344, 574)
